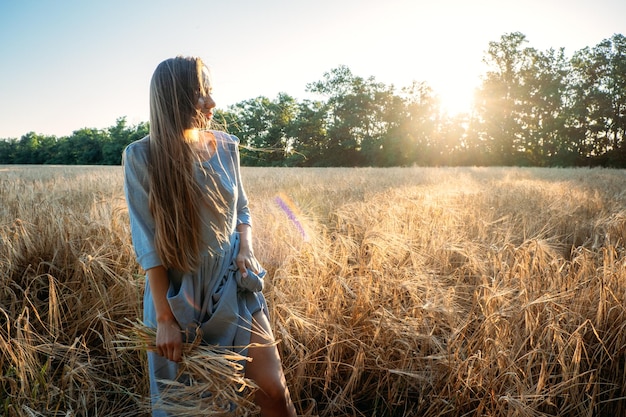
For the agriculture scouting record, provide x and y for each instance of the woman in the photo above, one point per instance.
(191, 231)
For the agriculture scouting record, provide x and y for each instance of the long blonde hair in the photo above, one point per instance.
(176, 198)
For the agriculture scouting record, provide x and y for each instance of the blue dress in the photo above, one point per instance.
(214, 300)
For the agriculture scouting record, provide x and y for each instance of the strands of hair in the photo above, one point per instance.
(175, 195)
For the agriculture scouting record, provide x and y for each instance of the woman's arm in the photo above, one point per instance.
(137, 192)
(169, 340)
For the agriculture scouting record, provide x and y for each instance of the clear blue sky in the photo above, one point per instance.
(69, 64)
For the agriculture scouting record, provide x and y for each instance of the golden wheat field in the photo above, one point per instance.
(393, 292)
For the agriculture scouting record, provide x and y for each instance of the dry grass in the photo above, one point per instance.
(417, 292)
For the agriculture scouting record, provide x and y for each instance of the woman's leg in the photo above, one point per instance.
(266, 370)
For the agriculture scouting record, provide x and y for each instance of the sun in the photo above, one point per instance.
(453, 78)
(455, 96)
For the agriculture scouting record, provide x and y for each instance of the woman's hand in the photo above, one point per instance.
(245, 258)
(169, 340)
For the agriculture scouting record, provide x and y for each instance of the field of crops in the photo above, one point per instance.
(393, 292)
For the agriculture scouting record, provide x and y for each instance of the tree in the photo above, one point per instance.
(309, 134)
(84, 147)
(452, 145)
(542, 113)
(28, 149)
(263, 126)
(500, 96)
(7, 151)
(418, 126)
(598, 95)
(355, 116)
(119, 136)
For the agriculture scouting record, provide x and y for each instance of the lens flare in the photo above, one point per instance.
(290, 210)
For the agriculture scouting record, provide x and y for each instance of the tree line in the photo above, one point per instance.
(86, 146)
(532, 108)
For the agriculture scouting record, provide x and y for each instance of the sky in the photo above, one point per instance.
(71, 64)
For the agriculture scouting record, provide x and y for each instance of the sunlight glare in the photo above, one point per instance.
(456, 95)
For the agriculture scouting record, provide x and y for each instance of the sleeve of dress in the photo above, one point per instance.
(243, 211)
(136, 187)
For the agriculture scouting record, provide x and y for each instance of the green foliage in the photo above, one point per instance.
(263, 127)
(598, 113)
(540, 109)
(119, 136)
(355, 114)
(533, 108)
(83, 147)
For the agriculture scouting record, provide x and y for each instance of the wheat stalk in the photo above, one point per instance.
(214, 382)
